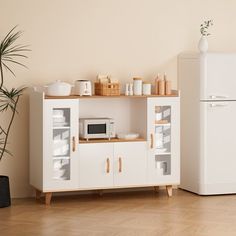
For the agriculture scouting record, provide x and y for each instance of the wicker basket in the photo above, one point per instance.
(107, 89)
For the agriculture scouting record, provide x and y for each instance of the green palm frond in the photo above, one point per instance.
(8, 98)
(2, 150)
(9, 53)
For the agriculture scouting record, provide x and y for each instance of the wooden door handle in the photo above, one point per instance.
(152, 141)
(73, 144)
(108, 166)
(120, 165)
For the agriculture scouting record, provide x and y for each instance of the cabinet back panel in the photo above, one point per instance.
(126, 112)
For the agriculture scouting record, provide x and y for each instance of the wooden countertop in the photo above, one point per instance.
(175, 93)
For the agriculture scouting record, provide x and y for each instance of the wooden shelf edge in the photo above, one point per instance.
(175, 93)
(113, 140)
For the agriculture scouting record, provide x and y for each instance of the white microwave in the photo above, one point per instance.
(95, 128)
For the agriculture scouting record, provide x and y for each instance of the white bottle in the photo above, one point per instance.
(131, 91)
(137, 86)
(127, 89)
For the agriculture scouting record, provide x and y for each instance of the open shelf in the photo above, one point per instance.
(112, 140)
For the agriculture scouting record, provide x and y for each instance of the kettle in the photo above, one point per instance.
(83, 88)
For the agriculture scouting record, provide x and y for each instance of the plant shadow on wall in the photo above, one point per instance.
(11, 54)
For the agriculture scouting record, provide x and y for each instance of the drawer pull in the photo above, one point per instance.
(73, 144)
(151, 146)
(120, 164)
(108, 165)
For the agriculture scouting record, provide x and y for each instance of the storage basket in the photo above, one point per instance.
(107, 89)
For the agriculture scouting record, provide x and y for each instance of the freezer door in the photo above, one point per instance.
(218, 76)
(218, 146)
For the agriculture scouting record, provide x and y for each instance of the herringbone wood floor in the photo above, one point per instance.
(113, 214)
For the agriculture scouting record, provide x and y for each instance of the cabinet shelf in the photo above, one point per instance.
(61, 127)
(112, 140)
(61, 158)
(164, 124)
(162, 153)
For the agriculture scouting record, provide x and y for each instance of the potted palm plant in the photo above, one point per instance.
(10, 55)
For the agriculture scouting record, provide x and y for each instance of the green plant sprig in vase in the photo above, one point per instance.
(203, 43)
(205, 26)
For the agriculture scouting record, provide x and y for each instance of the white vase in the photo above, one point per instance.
(203, 44)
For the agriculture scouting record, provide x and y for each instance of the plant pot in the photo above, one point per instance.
(5, 198)
(203, 44)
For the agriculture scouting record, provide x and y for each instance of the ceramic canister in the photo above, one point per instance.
(147, 88)
(137, 86)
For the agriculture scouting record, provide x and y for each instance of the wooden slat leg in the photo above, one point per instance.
(156, 189)
(48, 197)
(169, 190)
(37, 194)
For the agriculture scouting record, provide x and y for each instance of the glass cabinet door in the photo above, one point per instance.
(163, 132)
(61, 135)
(162, 139)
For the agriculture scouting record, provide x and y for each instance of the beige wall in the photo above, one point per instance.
(72, 39)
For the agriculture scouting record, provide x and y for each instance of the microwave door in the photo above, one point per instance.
(97, 129)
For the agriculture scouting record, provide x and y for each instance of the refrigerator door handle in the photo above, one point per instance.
(219, 104)
(218, 96)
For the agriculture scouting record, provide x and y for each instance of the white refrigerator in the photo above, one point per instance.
(207, 84)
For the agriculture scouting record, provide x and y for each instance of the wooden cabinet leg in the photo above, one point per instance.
(48, 197)
(37, 194)
(156, 189)
(99, 192)
(169, 190)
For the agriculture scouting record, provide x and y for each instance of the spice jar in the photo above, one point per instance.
(137, 86)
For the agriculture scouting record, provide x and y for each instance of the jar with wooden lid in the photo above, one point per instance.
(137, 86)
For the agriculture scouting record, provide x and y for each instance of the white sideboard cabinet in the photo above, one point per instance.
(60, 161)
